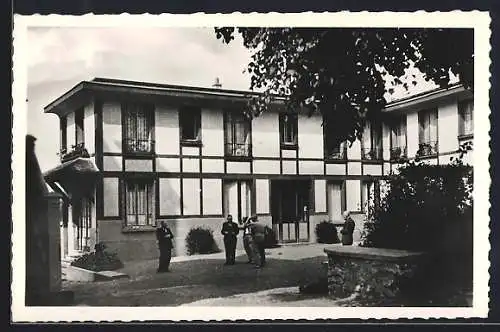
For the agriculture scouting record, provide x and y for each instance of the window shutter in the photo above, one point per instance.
(421, 127)
(367, 136)
(433, 126)
(123, 201)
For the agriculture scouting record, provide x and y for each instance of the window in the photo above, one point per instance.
(288, 130)
(63, 134)
(371, 145)
(398, 138)
(333, 149)
(190, 125)
(139, 203)
(466, 118)
(238, 135)
(370, 194)
(237, 199)
(79, 135)
(138, 129)
(427, 133)
(335, 200)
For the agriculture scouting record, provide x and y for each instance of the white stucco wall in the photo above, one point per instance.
(166, 130)
(89, 127)
(112, 127)
(310, 136)
(212, 132)
(265, 135)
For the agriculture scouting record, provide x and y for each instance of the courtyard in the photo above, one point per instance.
(205, 280)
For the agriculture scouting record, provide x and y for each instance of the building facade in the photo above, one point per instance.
(189, 156)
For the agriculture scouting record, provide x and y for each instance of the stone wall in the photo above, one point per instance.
(372, 273)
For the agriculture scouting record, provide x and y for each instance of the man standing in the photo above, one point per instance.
(258, 231)
(247, 238)
(230, 229)
(164, 238)
(348, 229)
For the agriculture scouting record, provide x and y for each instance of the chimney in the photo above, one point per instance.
(217, 84)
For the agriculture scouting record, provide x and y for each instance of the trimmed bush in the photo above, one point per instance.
(200, 240)
(423, 203)
(326, 232)
(270, 240)
(99, 260)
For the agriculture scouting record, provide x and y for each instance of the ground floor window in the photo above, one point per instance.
(139, 202)
(238, 198)
(370, 194)
(335, 200)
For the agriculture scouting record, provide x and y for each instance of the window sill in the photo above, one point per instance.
(372, 161)
(289, 146)
(139, 154)
(238, 158)
(330, 160)
(194, 143)
(465, 137)
(138, 229)
(427, 156)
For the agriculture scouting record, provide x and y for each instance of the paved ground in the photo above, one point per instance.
(205, 278)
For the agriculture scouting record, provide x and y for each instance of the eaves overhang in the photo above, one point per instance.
(102, 88)
(428, 99)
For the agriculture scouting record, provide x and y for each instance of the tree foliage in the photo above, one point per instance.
(342, 72)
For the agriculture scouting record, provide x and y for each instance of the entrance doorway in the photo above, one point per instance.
(82, 218)
(290, 203)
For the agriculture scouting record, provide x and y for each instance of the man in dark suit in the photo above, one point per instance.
(164, 238)
(348, 229)
(230, 229)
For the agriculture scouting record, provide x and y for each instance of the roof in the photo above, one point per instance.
(85, 89)
(426, 96)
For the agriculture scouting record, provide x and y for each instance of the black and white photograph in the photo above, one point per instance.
(251, 166)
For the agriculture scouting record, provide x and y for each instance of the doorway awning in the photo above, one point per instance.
(74, 178)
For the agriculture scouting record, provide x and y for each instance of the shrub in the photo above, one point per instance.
(99, 260)
(201, 241)
(270, 240)
(422, 204)
(326, 232)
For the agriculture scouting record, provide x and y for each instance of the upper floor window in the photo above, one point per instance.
(371, 145)
(288, 130)
(237, 129)
(79, 135)
(190, 125)
(427, 133)
(333, 149)
(63, 134)
(138, 128)
(466, 117)
(370, 195)
(398, 138)
(139, 202)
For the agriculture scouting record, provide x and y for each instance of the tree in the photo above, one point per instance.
(342, 72)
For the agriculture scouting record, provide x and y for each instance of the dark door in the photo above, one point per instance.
(290, 206)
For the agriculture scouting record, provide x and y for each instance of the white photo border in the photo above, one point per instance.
(479, 21)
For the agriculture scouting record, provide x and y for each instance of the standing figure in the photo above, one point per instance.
(247, 238)
(348, 229)
(164, 238)
(230, 229)
(258, 231)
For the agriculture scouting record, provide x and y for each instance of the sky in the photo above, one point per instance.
(61, 57)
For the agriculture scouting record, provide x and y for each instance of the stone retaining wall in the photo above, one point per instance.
(370, 272)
